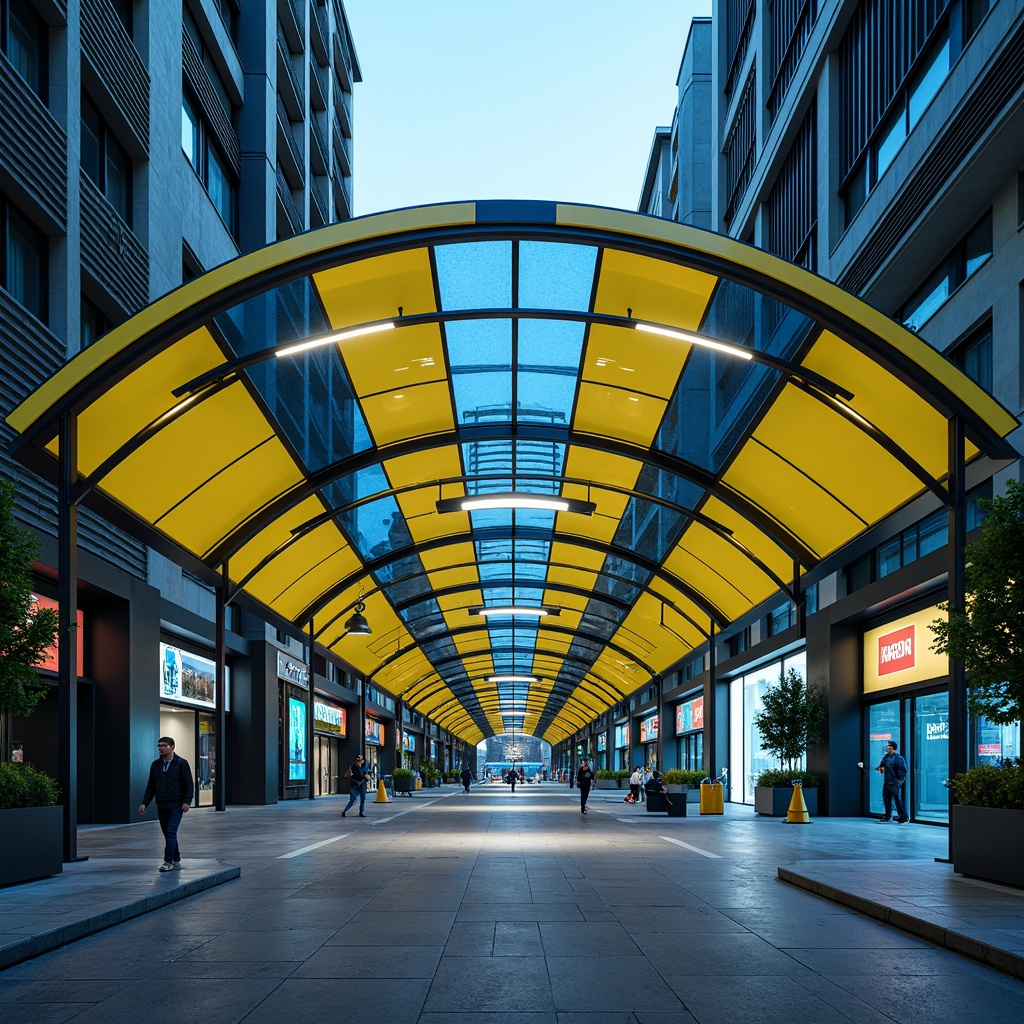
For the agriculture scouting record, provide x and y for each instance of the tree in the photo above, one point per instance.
(987, 634)
(791, 719)
(26, 630)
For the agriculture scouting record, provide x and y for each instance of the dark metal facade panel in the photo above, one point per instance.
(106, 46)
(878, 52)
(791, 22)
(741, 148)
(114, 257)
(213, 113)
(33, 147)
(792, 206)
(739, 26)
(963, 132)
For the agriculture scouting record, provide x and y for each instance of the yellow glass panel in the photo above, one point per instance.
(610, 412)
(897, 409)
(572, 578)
(434, 464)
(794, 500)
(602, 467)
(319, 575)
(142, 397)
(626, 358)
(401, 358)
(422, 519)
(210, 513)
(273, 536)
(751, 537)
(459, 602)
(442, 578)
(190, 451)
(654, 289)
(564, 600)
(410, 412)
(374, 288)
(839, 456)
(570, 554)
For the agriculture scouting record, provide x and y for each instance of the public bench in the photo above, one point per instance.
(658, 803)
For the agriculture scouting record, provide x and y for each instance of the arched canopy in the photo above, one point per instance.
(718, 420)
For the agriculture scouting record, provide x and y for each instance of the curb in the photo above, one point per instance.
(45, 942)
(992, 956)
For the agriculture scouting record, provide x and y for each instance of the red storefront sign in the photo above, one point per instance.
(896, 651)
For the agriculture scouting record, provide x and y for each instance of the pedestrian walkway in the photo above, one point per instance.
(490, 908)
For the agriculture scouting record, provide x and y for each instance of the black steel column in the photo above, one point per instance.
(67, 637)
(311, 720)
(710, 713)
(957, 514)
(800, 601)
(220, 692)
(661, 714)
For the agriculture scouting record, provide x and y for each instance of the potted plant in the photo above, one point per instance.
(987, 817)
(30, 820)
(606, 778)
(684, 780)
(790, 720)
(622, 775)
(403, 780)
(987, 838)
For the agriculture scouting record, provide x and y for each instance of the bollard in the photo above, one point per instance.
(382, 794)
(797, 808)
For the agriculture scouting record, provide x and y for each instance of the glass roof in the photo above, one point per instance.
(722, 421)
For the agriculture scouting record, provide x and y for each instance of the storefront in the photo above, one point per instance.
(409, 758)
(293, 679)
(601, 745)
(373, 739)
(188, 711)
(747, 759)
(330, 727)
(689, 722)
(649, 740)
(622, 746)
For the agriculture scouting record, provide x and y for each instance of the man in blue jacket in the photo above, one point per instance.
(894, 771)
(170, 781)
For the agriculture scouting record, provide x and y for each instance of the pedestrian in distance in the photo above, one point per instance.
(894, 771)
(584, 777)
(357, 775)
(513, 778)
(634, 784)
(170, 781)
(467, 778)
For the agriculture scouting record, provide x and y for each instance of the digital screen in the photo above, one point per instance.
(296, 740)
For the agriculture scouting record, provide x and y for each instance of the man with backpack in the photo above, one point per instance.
(894, 770)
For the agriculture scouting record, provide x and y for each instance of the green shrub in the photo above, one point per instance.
(988, 785)
(683, 777)
(402, 773)
(623, 773)
(606, 773)
(21, 785)
(780, 778)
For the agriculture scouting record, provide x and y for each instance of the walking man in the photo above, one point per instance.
(170, 781)
(467, 777)
(894, 771)
(584, 777)
(356, 776)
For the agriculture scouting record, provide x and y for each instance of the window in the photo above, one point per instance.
(199, 147)
(24, 38)
(974, 357)
(105, 162)
(94, 323)
(24, 260)
(960, 263)
(123, 10)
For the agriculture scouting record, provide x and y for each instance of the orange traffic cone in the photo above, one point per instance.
(797, 814)
(382, 794)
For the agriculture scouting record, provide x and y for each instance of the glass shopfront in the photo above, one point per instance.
(294, 763)
(330, 727)
(747, 758)
(689, 718)
(622, 746)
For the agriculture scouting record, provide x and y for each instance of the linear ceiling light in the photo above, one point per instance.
(329, 339)
(516, 499)
(511, 679)
(696, 339)
(504, 611)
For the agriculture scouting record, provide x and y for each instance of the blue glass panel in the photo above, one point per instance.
(377, 528)
(531, 570)
(535, 517)
(647, 528)
(554, 275)
(554, 343)
(545, 398)
(491, 517)
(494, 570)
(474, 275)
(274, 318)
(479, 343)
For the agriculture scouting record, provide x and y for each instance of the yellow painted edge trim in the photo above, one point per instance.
(178, 301)
(732, 251)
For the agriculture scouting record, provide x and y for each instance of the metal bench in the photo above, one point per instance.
(659, 803)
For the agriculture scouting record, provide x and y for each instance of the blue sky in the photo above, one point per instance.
(512, 99)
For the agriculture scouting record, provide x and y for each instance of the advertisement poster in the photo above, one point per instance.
(187, 678)
(329, 718)
(296, 740)
(649, 729)
(690, 716)
(373, 732)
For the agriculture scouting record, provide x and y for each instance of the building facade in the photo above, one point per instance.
(891, 161)
(141, 144)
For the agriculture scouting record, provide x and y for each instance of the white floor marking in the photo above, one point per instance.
(391, 817)
(695, 849)
(314, 846)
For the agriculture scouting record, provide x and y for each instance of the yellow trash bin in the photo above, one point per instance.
(712, 798)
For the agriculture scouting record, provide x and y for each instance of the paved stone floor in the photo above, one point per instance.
(489, 908)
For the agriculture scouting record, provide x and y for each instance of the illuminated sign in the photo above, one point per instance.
(373, 731)
(189, 678)
(602, 742)
(49, 658)
(649, 729)
(622, 735)
(900, 653)
(690, 715)
(296, 740)
(329, 718)
(295, 672)
(408, 742)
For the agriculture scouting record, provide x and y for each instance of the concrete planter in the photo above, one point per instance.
(404, 785)
(33, 843)
(774, 801)
(607, 784)
(988, 842)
